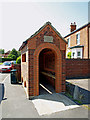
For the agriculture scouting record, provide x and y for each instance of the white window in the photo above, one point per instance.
(78, 38)
(79, 54)
(68, 40)
(73, 54)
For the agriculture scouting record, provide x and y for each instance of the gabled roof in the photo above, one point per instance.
(77, 29)
(47, 23)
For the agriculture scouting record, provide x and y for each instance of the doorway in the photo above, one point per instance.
(57, 67)
(46, 71)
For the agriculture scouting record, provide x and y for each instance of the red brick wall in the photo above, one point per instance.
(35, 45)
(77, 68)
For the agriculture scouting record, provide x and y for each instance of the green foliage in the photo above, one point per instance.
(69, 55)
(14, 54)
(69, 95)
(78, 101)
(2, 51)
(5, 59)
(18, 61)
(19, 53)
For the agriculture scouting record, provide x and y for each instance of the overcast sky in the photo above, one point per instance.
(19, 20)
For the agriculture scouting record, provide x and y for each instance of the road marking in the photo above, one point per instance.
(5, 79)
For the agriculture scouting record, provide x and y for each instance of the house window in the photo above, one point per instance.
(78, 38)
(78, 54)
(68, 42)
(24, 57)
(73, 54)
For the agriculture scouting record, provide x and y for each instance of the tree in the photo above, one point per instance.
(2, 51)
(19, 53)
(18, 61)
(13, 54)
(69, 55)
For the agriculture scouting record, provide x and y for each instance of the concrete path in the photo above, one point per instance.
(16, 105)
(48, 104)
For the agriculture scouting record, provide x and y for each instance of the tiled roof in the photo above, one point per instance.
(47, 23)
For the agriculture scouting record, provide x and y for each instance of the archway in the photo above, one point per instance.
(47, 71)
(58, 66)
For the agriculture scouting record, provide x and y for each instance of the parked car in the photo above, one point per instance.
(7, 66)
(14, 62)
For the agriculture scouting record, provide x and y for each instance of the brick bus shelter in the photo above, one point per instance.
(43, 59)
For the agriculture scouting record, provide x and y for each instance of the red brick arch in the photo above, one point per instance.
(58, 67)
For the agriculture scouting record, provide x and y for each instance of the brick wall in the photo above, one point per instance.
(35, 45)
(89, 42)
(77, 68)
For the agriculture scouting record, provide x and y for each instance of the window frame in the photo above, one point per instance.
(78, 39)
(73, 54)
(24, 57)
(68, 39)
(79, 54)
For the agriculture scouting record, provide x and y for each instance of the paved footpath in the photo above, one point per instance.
(16, 105)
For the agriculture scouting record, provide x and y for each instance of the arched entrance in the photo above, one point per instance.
(56, 69)
(47, 71)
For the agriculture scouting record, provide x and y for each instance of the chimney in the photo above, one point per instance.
(72, 27)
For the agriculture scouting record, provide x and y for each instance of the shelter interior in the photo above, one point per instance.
(47, 71)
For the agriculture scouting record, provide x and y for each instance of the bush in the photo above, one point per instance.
(69, 55)
(18, 61)
(5, 59)
(14, 54)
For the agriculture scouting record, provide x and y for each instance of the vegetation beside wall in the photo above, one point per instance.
(14, 54)
(18, 61)
(5, 59)
(69, 55)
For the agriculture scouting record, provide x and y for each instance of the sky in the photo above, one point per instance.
(19, 20)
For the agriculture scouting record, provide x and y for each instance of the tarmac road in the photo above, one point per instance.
(3, 76)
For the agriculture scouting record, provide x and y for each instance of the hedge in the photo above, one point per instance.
(18, 61)
(5, 59)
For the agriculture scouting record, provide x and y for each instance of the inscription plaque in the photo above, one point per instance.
(48, 39)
